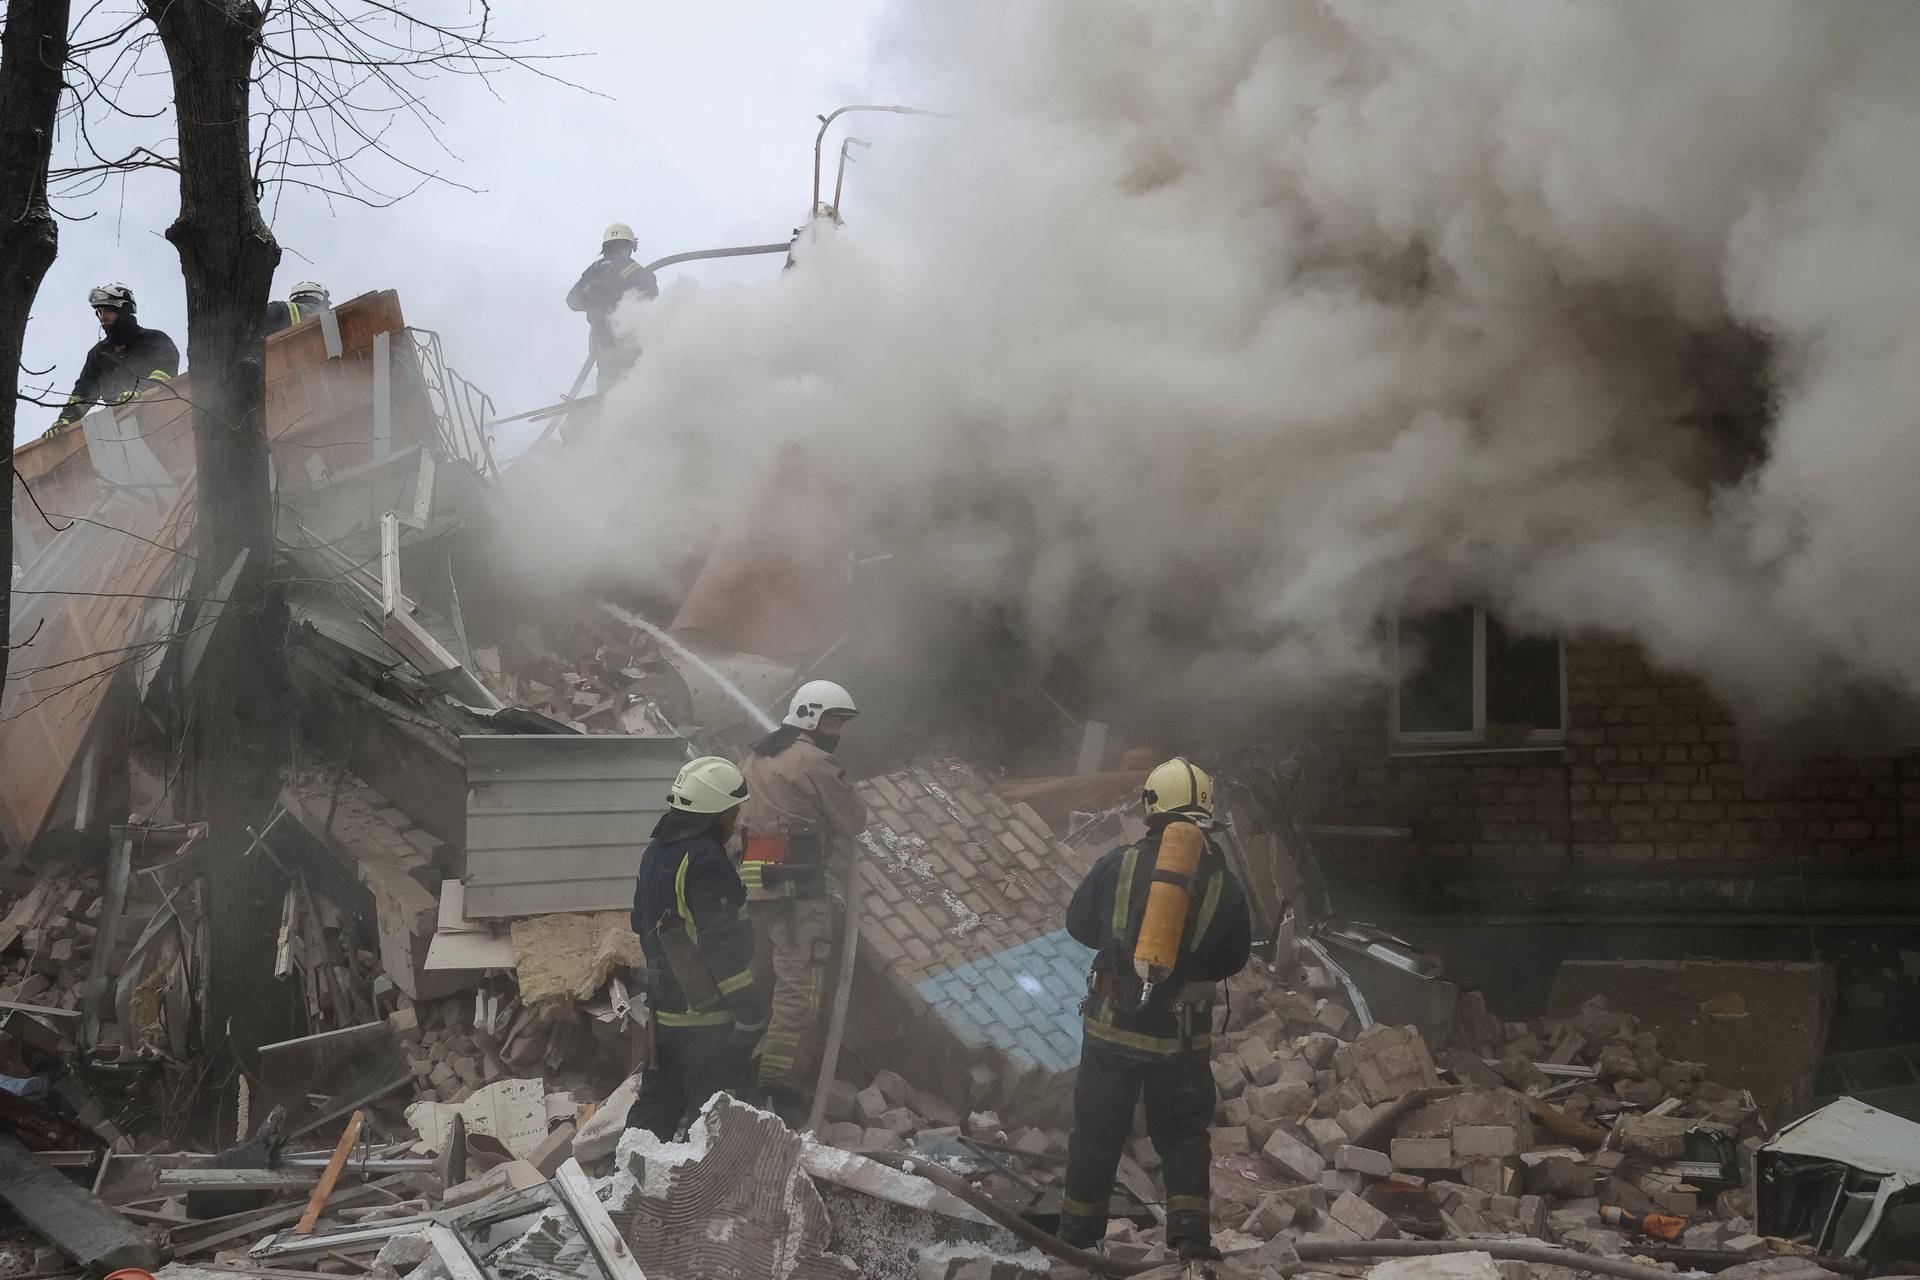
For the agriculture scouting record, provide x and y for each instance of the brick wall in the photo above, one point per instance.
(1655, 785)
(970, 983)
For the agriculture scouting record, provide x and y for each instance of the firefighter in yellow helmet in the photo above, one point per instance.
(602, 287)
(690, 912)
(800, 818)
(1167, 922)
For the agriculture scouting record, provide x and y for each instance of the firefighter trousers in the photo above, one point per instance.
(690, 1065)
(793, 949)
(1179, 1095)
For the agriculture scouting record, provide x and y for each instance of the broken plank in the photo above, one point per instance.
(95, 990)
(236, 1179)
(39, 1010)
(251, 1226)
(454, 1254)
(330, 1175)
(87, 1231)
(609, 1247)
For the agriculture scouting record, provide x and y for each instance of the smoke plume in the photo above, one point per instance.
(1209, 336)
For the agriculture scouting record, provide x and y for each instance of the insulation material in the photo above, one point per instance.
(570, 957)
(514, 1111)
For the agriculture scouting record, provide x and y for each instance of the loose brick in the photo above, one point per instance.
(1293, 1157)
(1485, 1140)
(1361, 1218)
(1421, 1153)
(1229, 1078)
(1365, 1160)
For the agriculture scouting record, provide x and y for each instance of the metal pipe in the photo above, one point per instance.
(739, 251)
(840, 176)
(826, 121)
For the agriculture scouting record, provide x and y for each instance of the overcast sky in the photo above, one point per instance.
(703, 138)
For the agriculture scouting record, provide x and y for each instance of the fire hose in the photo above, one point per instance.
(1308, 1250)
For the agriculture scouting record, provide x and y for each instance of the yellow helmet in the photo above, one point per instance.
(1179, 787)
(711, 784)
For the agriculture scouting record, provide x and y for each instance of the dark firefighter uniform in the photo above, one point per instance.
(689, 884)
(127, 361)
(601, 288)
(285, 315)
(1161, 1048)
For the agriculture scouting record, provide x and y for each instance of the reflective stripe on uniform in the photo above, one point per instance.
(1123, 892)
(1082, 1208)
(738, 982)
(293, 312)
(680, 898)
(753, 877)
(1187, 1204)
(722, 1018)
(1167, 1045)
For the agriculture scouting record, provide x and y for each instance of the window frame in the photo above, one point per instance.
(1476, 737)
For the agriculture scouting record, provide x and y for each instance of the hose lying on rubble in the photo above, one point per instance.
(1309, 1250)
(1506, 1250)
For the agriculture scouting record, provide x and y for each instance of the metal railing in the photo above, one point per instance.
(462, 411)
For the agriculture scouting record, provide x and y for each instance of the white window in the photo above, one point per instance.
(1465, 679)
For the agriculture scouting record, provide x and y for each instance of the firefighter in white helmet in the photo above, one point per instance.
(127, 360)
(304, 301)
(688, 908)
(800, 817)
(1153, 1040)
(607, 282)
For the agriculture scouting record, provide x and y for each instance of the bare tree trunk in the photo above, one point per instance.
(33, 52)
(237, 711)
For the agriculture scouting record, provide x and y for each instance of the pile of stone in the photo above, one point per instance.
(1514, 1130)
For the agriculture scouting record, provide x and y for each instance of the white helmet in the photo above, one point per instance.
(711, 784)
(618, 231)
(115, 295)
(815, 699)
(310, 289)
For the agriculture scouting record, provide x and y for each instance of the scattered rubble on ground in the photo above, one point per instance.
(478, 1115)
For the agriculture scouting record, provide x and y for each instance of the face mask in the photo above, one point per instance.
(826, 741)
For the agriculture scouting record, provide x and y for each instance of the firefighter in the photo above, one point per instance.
(125, 362)
(601, 288)
(689, 910)
(308, 299)
(800, 817)
(1154, 1038)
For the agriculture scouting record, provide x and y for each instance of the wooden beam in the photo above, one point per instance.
(330, 1175)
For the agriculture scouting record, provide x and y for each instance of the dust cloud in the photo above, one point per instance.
(1210, 336)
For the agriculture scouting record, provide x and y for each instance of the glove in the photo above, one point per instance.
(746, 1035)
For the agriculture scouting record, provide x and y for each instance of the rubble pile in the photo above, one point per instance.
(1374, 1136)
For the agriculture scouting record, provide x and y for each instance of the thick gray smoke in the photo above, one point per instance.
(1211, 335)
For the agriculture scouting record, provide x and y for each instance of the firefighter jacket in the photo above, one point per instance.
(125, 362)
(690, 884)
(284, 315)
(801, 790)
(1105, 914)
(602, 287)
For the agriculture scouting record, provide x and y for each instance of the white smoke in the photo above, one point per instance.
(1211, 335)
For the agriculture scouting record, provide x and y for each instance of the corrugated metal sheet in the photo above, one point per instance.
(557, 822)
